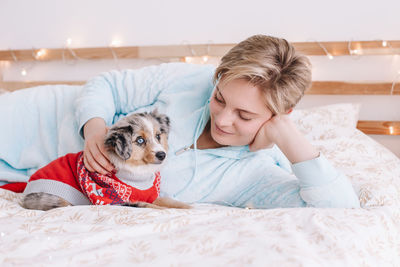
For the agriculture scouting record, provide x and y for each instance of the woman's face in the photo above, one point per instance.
(237, 112)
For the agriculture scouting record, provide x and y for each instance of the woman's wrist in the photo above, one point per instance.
(295, 145)
(93, 125)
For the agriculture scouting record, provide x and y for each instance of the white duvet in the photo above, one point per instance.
(207, 235)
(210, 235)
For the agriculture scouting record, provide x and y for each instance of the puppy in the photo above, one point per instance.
(137, 145)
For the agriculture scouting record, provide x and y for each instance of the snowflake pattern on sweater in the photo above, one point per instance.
(109, 190)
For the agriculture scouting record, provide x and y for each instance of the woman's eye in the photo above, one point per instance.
(158, 137)
(217, 99)
(139, 140)
(245, 119)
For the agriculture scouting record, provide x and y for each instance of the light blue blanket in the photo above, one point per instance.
(37, 126)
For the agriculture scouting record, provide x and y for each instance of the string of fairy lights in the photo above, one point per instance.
(41, 53)
(195, 57)
(37, 54)
(356, 53)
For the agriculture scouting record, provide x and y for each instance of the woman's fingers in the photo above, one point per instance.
(261, 140)
(95, 155)
(103, 158)
(86, 163)
(96, 160)
(94, 165)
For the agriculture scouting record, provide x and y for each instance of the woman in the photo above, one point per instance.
(231, 140)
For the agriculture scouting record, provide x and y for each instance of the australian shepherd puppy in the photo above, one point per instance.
(137, 146)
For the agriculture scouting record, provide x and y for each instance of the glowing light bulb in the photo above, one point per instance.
(355, 51)
(391, 130)
(115, 43)
(205, 58)
(384, 43)
(40, 53)
(329, 56)
(188, 59)
(24, 72)
(69, 41)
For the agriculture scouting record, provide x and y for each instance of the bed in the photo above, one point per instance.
(213, 235)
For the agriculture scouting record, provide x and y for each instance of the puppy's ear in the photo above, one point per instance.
(162, 119)
(119, 140)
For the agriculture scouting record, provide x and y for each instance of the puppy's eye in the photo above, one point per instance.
(158, 137)
(140, 140)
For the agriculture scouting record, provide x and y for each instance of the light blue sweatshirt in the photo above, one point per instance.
(229, 175)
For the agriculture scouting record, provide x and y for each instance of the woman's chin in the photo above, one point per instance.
(224, 141)
(219, 139)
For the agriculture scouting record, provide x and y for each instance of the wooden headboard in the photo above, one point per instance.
(185, 52)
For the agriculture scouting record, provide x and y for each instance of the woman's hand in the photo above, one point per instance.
(94, 153)
(266, 135)
(280, 130)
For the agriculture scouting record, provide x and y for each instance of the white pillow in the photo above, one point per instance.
(373, 170)
(326, 122)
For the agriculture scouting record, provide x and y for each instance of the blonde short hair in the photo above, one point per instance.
(271, 64)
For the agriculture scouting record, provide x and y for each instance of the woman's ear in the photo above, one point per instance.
(119, 140)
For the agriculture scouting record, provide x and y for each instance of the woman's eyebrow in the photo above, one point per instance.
(252, 113)
(238, 108)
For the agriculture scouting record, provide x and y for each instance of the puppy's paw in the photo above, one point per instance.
(140, 204)
(186, 206)
(171, 203)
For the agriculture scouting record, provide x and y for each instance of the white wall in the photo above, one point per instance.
(48, 23)
(28, 24)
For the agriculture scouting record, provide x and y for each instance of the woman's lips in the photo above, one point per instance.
(220, 131)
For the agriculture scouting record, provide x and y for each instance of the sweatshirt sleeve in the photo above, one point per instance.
(310, 183)
(322, 185)
(113, 93)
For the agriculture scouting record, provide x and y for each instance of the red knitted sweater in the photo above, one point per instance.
(99, 189)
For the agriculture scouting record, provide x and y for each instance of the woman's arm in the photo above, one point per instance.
(321, 185)
(280, 130)
(95, 157)
(116, 92)
(113, 94)
(121, 92)
(313, 183)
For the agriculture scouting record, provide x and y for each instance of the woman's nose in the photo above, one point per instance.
(224, 118)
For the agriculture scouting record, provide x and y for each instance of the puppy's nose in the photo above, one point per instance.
(160, 155)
